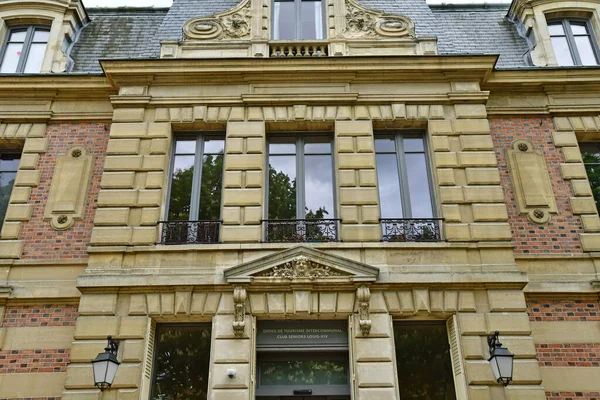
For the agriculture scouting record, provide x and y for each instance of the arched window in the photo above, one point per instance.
(24, 49)
(573, 42)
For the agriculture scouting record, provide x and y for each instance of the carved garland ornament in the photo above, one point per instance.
(363, 295)
(239, 313)
(365, 23)
(232, 24)
(301, 267)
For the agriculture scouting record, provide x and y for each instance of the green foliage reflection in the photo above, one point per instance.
(282, 195)
(592, 167)
(307, 372)
(6, 186)
(424, 365)
(182, 363)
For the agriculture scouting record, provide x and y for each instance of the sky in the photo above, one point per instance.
(167, 3)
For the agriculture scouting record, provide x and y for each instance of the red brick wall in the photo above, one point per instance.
(573, 395)
(30, 361)
(568, 354)
(563, 310)
(40, 240)
(561, 235)
(40, 315)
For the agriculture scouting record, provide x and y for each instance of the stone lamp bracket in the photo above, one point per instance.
(67, 198)
(531, 182)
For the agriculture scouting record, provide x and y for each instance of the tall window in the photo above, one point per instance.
(298, 19)
(573, 42)
(423, 361)
(300, 177)
(181, 362)
(24, 50)
(591, 159)
(197, 178)
(403, 174)
(9, 164)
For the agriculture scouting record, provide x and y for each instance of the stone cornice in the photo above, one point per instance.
(529, 79)
(79, 87)
(356, 69)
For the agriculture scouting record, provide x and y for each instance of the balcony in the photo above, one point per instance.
(190, 232)
(298, 49)
(301, 230)
(411, 229)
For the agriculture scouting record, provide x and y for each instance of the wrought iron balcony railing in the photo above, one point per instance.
(190, 232)
(411, 229)
(301, 230)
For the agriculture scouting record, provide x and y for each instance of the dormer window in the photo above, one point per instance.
(24, 50)
(573, 42)
(298, 20)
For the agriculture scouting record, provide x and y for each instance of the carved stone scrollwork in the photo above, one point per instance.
(232, 24)
(364, 23)
(363, 295)
(239, 301)
(301, 267)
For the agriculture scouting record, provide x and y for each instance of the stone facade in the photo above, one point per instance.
(80, 249)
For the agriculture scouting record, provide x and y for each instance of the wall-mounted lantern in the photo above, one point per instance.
(106, 365)
(501, 360)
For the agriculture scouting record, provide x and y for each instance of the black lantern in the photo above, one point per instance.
(105, 365)
(501, 360)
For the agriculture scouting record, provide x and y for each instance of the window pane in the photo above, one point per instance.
(282, 187)
(210, 188)
(423, 362)
(185, 147)
(41, 36)
(319, 187)
(181, 188)
(282, 148)
(318, 148)
(385, 144)
(578, 28)
(311, 20)
(556, 29)
(214, 146)
(561, 51)
(7, 180)
(284, 20)
(181, 363)
(11, 58)
(304, 372)
(9, 162)
(586, 52)
(413, 144)
(591, 158)
(389, 186)
(35, 58)
(418, 185)
(18, 36)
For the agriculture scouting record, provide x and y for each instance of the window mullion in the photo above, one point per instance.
(403, 177)
(571, 41)
(25, 50)
(196, 180)
(300, 187)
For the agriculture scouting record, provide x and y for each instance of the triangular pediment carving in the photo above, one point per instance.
(364, 23)
(302, 264)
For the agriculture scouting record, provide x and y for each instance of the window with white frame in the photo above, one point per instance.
(9, 164)
(403, 174)
(298, 20)
(24, 49)
(573, 42)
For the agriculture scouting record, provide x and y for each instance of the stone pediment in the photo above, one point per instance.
(302, 264)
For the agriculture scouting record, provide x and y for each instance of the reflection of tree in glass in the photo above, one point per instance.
(282, 195)
(210, 191)
(592, 166)
(423, 360)
(4, 197)
(307, 372)
(182, 364)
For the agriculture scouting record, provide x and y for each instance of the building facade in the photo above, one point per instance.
(277, 199)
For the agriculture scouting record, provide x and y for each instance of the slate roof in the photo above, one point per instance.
(137, 32)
